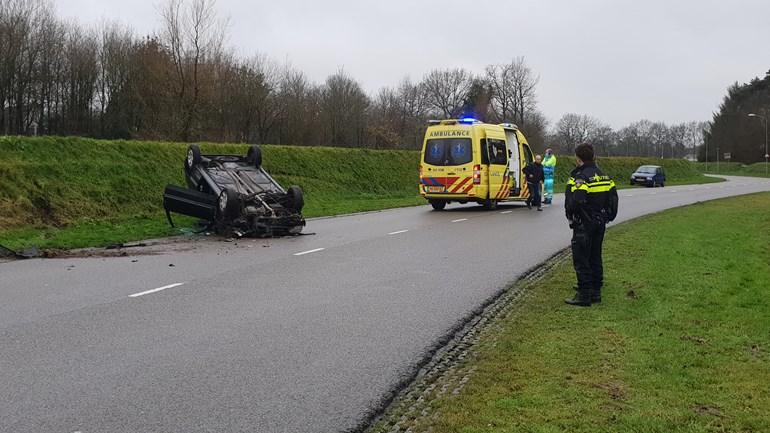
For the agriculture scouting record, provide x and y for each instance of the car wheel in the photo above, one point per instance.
(254, 156)
(227, 204)
(296, 198)
(490, 204)
(662, 184)
(193, 156)
(438, 204)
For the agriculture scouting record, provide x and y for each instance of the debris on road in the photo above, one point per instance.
(27, 253)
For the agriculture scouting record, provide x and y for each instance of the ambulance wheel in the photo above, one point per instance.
(438, 204)
(227, 205)
(296, 198)
(193, 156)
(254, 156)
(490, 204)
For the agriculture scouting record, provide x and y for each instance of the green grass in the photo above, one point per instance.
(733, 168)
(680, 344)
(65, 192)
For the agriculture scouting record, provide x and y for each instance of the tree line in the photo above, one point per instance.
(182, 83)
(640, 138)
(733, 131)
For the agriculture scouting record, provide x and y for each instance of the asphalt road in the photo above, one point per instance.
(288, 335)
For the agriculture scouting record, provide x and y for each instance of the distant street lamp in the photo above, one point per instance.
(764, 119)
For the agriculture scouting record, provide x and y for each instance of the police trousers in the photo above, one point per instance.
(587, 242)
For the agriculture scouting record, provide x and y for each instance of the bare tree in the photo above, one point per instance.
(114, 55)
(447, 90)
(513, 90)
(344, 107)
(194, 35)
(573, 129)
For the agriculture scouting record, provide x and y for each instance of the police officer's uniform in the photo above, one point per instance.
(591, 202)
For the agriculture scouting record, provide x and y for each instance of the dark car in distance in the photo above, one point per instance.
(649, 175)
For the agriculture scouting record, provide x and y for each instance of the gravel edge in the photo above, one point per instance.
(447, 370)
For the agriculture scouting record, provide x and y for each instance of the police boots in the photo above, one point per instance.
(582, 298)
(596, 295)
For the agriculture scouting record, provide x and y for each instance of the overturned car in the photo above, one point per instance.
(235, 195)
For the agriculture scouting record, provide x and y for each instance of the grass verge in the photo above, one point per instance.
(680, 344)
(734, 169)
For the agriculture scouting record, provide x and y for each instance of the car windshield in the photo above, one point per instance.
(646, 169)
(448, 151)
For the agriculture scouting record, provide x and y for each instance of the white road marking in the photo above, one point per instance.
(309, 251)
(147, 292)
(630, 195)
(506, 212)
(397, 233)
(673, 190)
(460, 220)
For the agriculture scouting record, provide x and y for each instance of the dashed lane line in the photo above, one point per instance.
(147, 292)
(397, 232)
(460, 220)
(506, 212)
(309, 251)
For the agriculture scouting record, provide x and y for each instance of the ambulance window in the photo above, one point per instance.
(448, 151)
(484, 151)
(497, 152)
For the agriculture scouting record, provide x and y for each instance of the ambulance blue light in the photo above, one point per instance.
(467, 120)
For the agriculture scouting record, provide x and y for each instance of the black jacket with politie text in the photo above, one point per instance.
(591, 196)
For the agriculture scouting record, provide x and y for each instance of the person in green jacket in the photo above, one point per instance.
(549, 169)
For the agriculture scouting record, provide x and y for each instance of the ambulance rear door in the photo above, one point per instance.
(514, 161)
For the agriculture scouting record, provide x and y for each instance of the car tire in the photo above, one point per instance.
(254, 156)
(438, 204)
(296, 198)
(490, 204)
(193, 156)
(662, 184)
(227, 204)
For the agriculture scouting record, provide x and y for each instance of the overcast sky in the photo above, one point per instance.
(618, 60)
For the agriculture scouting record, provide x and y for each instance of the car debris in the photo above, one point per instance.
(236, 196)
(27, 253)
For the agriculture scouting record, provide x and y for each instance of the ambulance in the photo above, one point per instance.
(465, 160)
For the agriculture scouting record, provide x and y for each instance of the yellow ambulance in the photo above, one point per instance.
(464, 160)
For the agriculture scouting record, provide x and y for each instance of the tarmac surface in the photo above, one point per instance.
(303, 334)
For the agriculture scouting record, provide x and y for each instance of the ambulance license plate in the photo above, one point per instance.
(436, 189)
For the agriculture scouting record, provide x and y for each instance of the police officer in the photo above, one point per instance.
(591, 201)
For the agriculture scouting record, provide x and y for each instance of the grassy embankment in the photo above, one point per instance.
(75, 192)
(732, 168)
(66, 192)
(680, 344)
